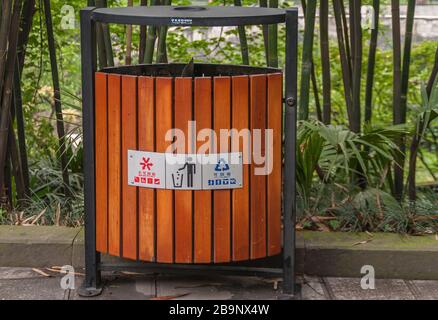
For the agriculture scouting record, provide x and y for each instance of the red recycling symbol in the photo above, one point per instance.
(146, 164)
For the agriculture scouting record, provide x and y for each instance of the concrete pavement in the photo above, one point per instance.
(26, 283)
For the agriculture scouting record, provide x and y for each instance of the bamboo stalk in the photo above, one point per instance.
(265, 30)
(57, 98)
(7, 88)
(101, 53)
(313, 78)
(106, 37)
(273, 39)
(306, 64)
(128, 57)
(151, 39)
(143, 37)
(21, 131)
(406, 57)
(162, 36)
(416, 139)
(404, 81)
(396, 94)
(371, 63)
(346, 75)
(315, 93)
(26, 25)
(161, 48)
(242, 39)
(433, 75)
(357, 62)
(325, 61)
(346, 36)
(16, 167)
(4, 32)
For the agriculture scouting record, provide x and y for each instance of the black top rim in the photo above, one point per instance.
(190, 15)
(199, 70)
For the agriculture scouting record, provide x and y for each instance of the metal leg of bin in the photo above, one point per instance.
(92, 283)
(289, 174)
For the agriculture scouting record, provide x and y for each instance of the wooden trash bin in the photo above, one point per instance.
(134, 108)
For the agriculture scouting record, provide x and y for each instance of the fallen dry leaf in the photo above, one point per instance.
(39, 216)
(41, 272)
(170, 297)
(130, 273)
(362, 242)
(202, 285)
(320, 225)
(61, 271)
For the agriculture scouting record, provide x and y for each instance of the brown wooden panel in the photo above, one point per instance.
(163, 122)
(274, 178)
(221, 198)
(258, 182)
(202, 199)
(114, 166)
(146, 142)
(129, 141)
(101, 145)
(183, 198)
(240, 197)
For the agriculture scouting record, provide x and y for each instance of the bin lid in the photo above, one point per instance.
(190, 15)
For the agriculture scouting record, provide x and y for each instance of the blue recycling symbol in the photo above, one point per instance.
(222, 165)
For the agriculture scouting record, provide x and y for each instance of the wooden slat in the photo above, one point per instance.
(183, 198)
(240, 112)
(146, 141)
(274, 178)
(101, 163)
(202, 199)
(221, 198)
(163, 123)
(258, 182)
(114, 166)
(129, 141)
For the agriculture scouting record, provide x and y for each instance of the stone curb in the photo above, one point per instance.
(332, 254)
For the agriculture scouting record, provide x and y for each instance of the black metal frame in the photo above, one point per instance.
(191, 17)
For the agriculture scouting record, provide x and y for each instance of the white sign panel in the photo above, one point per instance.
(222, 171)
(183, 172)
(146, 169)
